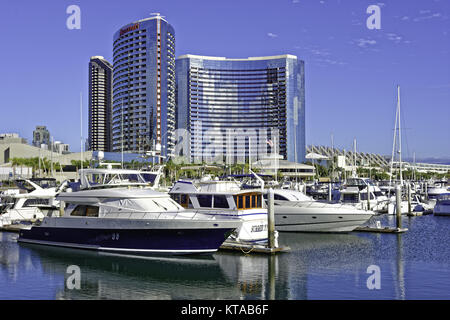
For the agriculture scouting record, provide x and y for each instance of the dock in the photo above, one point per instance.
(13, 228)
(248, 248)
(381, 230)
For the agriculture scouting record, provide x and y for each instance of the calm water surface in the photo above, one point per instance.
(413, 265)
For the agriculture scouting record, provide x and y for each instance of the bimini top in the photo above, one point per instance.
(107, 178)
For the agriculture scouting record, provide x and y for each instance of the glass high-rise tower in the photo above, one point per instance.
(143, 116)
(233, 107)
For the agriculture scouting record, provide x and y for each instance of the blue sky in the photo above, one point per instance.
(351, 71)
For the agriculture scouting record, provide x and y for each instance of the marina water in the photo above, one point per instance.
(412, 265)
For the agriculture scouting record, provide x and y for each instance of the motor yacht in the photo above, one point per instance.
(297, 212)
(442, 206)
(354, 193)
(433, 192)
(35, 199)
(417, 205)
(218, 198)
(116, 210)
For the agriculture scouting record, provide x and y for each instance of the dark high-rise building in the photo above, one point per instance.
(242, 108)
(100, 104)
(144, 86)
(41, 136)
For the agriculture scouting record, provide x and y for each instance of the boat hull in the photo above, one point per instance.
(442, 210)
(253, 229)
(318, 217)
(174, 239)
(319, 223)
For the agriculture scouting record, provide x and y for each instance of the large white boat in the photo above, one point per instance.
(115, 211)
(434, 191)
(417, 205)
(35, 199)
(294, 211)
(442, 206)
(218, 198)
(354, 193)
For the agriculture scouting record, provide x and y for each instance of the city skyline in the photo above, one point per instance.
(351, 71)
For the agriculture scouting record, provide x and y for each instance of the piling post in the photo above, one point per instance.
(368, 198)
(271, 218)
(398, 204)
(426, 191)
(409, 198)
(62, 205)
(329, 192)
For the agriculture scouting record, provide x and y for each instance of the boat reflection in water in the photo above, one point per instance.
(413, 265)
(117, 276)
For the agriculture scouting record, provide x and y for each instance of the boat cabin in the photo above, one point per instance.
(218, 195)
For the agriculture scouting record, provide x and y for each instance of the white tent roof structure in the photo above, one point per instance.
(316, 156)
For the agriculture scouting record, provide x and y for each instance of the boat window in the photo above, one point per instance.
(184, 200)
(85, 211)
(91, 211)
(352, 198)
(279, 197)
(79, 211)
(205, 200)
(176, 197)
(248, 201)
(149, 177)
(35, 202)
(220, 201)
(364, 196)
(240, 202)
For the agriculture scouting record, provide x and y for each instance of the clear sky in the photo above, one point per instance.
(351, 71)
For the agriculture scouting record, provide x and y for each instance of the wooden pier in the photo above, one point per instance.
(248, 248)
(381, 230)
(13, 228)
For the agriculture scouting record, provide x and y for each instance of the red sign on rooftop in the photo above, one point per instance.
(130, 28)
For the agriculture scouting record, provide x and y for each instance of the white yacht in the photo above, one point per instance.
(33, 202)
(218, 198)
(433, 192)
(442, 207)
(115, 211)
(294, 211)
(417, 205)
(354, 193)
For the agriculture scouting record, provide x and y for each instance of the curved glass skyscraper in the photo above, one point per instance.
(144, 86)
(242, 108)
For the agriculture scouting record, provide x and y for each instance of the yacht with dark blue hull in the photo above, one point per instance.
(121, 213)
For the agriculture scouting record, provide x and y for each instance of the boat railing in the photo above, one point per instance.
(308, 204)
(193, 214)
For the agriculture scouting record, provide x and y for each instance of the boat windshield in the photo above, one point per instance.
(93, 180)
(157, 204)
(359, 182)
(444, 197)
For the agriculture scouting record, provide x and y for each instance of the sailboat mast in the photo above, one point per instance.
(399, 136)
(393, 143)
(81, 130)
